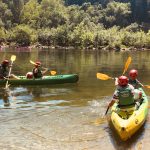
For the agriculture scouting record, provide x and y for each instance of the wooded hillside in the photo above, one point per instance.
(96, 23)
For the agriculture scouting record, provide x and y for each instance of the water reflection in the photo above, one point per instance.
(4, 96)
(41, 97)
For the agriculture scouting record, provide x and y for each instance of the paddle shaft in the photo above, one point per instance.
(8, 75)
(107, 110)
(13, 58)
(127, 65)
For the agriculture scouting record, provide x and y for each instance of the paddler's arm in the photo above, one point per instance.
(114, 99)
(139, 83)
(44, 71)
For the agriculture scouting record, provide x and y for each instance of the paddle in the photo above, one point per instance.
(127, 65)
(110, 104)
(147, 86)
(51, 72)
(106, 77)
(103, 76)
(13, 58)
(107, 110)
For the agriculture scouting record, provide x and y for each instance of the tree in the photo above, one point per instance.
(23, 35)
(117, 14)
(2, 35)
(52, 13)
(5, 16)
(17, 7)
(30, 13)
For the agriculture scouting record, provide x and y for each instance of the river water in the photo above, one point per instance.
(68, 116)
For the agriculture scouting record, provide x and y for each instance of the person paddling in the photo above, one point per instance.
(37, 72)
(133, 79)
(124, 95)
(4, 70)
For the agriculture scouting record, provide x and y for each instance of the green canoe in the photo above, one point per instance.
(46, 80)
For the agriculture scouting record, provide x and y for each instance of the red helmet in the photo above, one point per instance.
(38, 64)
(29, 75)
(123, 80)
(133, 74)
(5, 62)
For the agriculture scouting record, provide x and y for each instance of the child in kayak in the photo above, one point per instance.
(124, 95)
(37, 72)
(133, 79)
(4, 70)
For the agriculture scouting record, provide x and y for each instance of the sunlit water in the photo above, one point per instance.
(68, 116)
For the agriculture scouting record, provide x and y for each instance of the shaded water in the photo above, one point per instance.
(68, 116)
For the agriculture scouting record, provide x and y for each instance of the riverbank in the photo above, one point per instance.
(102, 48)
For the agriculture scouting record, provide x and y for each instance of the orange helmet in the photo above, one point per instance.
(29, 75)
(133, 74)
(38, 64)
(123, 80)
(5, 62)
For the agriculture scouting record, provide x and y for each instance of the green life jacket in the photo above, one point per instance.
(125, 96)
(3, 71)
(134, 83)
(38, 74)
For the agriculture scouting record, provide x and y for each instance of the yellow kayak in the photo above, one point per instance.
(127, 123)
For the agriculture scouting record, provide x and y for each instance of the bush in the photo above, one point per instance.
(23, 35)
(2, 35)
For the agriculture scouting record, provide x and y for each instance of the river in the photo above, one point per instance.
(68, 116)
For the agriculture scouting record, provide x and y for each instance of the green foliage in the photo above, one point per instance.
(30, 13)
(76, 15)
(80, 2)
(46, 37)
(62, 35)
(83, 34)
(17, 7)
(56, 36)
(23, 35)
(117, 14)
(92, 23)
(134, 27)
(5, 15)
(52, 13)
(2, 35)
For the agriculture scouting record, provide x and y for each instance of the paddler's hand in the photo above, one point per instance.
(116, 81)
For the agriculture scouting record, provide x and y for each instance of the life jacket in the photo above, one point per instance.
(3, 72)
(134, 83)
(37, 74)
(125, 96)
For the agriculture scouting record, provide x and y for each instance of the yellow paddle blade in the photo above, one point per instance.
(32, 62)
(127, 65)
(53, 73)
(103, 76)
(13, 57)
(147, 86)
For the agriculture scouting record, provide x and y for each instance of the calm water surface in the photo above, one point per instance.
(68, 116)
